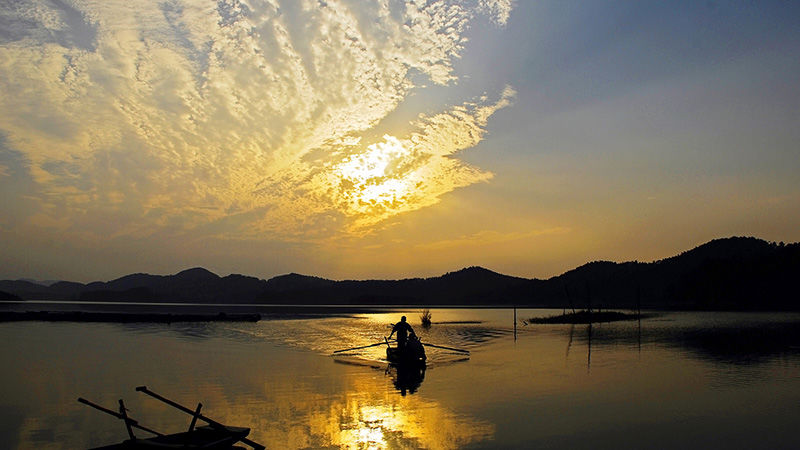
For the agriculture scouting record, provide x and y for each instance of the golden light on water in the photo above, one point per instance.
(392, 421)
(368, 428)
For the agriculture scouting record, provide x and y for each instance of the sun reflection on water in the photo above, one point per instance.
(368, 428)
(391, 421)
(528, 392)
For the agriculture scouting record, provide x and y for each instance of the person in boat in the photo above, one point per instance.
(403, 329)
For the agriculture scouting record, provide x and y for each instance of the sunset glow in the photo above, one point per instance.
(376, 177)
(342, 138)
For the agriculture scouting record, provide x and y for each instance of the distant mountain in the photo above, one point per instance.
(732, 274)
(296, 282)
(473, 285)
(28, 290)
(739, 273)
(42, 282)
(5, 296)
(195, 285)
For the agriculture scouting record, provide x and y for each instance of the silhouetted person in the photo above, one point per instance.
(403, 329)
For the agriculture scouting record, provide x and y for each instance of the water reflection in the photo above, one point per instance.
(480, 335)
(737, 375)
(367, 415)
(397, 422)
(748, 345)
(402, 424)
(245, 374)
(407, 379)
(745, 344)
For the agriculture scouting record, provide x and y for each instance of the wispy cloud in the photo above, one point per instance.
(368, 184)
(182, 114)
(498, 10)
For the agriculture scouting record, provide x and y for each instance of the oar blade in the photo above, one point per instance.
(358, 348)
(447, 348)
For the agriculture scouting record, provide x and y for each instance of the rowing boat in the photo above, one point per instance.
(413, 354)
(212, 436)
(205, 437)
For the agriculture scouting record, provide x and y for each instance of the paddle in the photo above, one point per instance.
(128, 420)
(213, 423)
(358, 348)
(446, 348)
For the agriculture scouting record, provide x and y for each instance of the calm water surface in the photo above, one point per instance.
(674, 380)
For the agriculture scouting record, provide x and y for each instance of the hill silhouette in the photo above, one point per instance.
(732, 274)
(5, 296)
(738, 273)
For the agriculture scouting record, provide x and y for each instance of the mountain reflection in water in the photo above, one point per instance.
(675, 380)
(724, 342)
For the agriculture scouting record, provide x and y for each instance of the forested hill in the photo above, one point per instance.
(739, 273)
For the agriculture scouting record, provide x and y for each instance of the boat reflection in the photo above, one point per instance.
(278, 378)
(406, 378)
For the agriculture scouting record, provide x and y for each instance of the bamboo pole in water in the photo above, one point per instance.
(515, 322)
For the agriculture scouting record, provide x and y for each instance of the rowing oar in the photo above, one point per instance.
(446, 348)
(132, 422)
(213, 423)
(358, 348)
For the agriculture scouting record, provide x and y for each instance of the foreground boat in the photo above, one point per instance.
(212, 436)
(205, 437)
(411, 355)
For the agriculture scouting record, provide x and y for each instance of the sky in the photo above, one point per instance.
(390, 139)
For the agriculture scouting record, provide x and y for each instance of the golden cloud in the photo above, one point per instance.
(184, 114)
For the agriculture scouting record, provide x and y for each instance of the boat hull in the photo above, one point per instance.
(204, 437)
(411, 355)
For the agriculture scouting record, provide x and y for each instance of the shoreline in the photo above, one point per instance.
(123, 317)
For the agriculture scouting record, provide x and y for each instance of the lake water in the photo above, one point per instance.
(673, 380)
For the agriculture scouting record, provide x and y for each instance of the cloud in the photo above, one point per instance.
(17, 189)
(186, 114)
(498, 10)
(363, 185)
